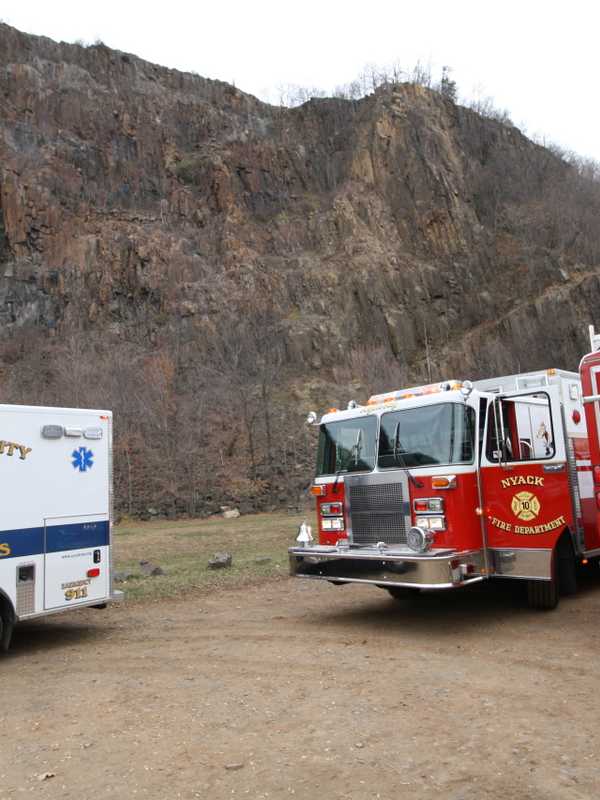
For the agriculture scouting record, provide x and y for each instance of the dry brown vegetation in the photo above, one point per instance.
(197, 424)
(240, 264)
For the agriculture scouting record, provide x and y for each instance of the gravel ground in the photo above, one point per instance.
(301, 688)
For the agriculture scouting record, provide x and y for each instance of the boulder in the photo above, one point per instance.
(220, 561)
(122, 577)
(151, 570)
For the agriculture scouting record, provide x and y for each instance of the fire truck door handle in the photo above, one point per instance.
(553, 467)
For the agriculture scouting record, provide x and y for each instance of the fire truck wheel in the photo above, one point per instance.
(543, 595)
(400, 592)
(567, 570)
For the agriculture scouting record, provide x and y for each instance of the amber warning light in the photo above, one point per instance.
(443, 481)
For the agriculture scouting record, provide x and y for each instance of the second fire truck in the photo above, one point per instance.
(446, 485)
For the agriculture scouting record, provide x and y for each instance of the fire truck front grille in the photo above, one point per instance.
(378, 513)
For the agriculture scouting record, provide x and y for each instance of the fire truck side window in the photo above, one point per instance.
(520, 429)
(347, 446)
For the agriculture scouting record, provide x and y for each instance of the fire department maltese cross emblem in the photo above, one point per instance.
(525, 506)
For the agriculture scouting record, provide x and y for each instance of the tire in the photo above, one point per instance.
(567, 569)
(544, 595)
(6, 629)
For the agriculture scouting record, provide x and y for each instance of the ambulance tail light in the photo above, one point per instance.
(93, 573)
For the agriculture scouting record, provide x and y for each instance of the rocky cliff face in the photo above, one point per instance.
(136, 199)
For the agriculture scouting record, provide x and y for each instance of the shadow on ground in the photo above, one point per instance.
(47, 634)
(437, 613)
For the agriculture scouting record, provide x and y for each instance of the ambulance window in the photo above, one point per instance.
(520, 429)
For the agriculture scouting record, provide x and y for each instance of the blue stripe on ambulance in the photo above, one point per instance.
(77, 536)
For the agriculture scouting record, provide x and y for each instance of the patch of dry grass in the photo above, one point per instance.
(183, 548)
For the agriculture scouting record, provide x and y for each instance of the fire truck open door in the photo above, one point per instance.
(525, 481)
(589, 370)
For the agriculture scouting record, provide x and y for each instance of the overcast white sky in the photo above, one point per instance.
(540, 60)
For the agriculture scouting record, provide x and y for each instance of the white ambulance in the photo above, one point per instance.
(55, 512)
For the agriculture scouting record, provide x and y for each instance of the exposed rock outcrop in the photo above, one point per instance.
(135, 198)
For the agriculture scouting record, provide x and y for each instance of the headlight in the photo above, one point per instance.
(437, 524)
(332, 524)
(419, 540)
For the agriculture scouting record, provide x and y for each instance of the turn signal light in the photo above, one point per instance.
(429, 505)
(443, 482)
(93, 573)
(318, 491)
(331, 509)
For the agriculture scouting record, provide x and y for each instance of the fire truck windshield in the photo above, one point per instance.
(443, 433)
(347, 446)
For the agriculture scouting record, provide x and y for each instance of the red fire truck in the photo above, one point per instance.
(445, 485)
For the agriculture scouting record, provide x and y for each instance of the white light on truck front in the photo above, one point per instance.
(419, 539)
(332, 524)
(436, 523)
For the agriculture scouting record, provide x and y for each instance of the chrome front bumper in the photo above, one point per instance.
(436, 569)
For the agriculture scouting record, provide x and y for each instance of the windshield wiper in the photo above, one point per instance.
(354, 456)
(357, 447)
(398, 455)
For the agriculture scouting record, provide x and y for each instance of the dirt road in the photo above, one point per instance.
(303, 689)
